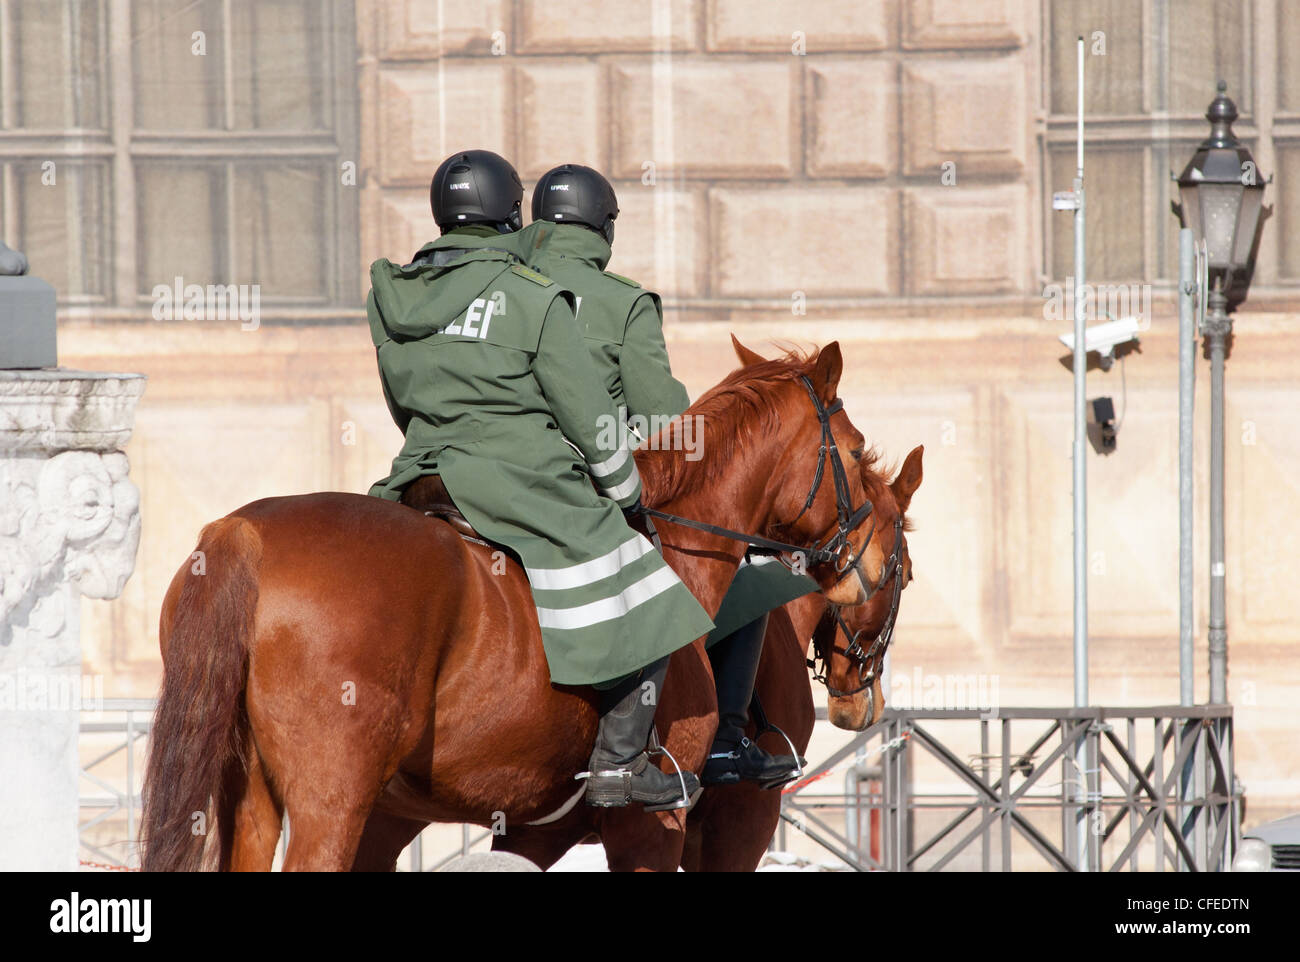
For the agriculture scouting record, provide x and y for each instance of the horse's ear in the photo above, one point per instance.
(827, 370)
(908, 480)
(747, 357)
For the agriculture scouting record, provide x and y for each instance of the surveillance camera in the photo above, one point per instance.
(1104, 338)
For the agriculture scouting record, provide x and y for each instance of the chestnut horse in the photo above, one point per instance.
(360, 666)
(730, 827)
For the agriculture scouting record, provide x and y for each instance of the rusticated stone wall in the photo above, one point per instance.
(759, 149)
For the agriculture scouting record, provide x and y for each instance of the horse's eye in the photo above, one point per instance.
(856, 454)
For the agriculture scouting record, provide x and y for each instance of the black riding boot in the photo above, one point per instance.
(620, 768)
(734, 756)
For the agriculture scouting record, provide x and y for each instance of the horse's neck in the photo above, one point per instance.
(706, 563)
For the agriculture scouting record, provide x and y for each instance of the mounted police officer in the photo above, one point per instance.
(623, 326)
(484, 369)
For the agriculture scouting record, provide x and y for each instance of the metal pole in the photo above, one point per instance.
(130, 785)
(1218, 327)
(1080, 475)
(1187, 284)
(985, 863)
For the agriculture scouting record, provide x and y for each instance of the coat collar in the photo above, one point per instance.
(581, 244)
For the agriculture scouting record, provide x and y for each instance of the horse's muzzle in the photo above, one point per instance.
(859, 711)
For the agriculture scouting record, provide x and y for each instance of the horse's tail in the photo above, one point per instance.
(200, 726)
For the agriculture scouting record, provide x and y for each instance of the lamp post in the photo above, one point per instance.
(1221, 197)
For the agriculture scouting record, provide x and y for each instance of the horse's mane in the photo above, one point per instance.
(734, 415)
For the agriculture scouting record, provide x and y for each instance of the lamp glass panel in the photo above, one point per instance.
(1251, 200)
(1190, 199)
(1219, 205)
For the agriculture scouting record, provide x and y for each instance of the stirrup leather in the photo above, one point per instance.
(734, 754)
(764, 725)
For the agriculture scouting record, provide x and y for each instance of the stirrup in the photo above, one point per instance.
(686, 801)
(763, 725)
(798, 760)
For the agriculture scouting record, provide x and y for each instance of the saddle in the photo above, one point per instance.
(430, 495)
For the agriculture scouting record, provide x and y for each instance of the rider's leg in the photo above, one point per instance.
(620, 769)
(734, 756)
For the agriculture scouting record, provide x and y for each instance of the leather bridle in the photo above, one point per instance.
(871, 659)
(848, 519)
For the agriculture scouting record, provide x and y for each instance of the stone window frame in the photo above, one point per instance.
(120, 149)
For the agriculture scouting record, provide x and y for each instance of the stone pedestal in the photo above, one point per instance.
(69, 526)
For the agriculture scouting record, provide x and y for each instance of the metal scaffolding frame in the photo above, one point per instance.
(131, 718)
(1131, 797)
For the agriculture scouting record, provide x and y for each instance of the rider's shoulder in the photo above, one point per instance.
(621, 279)
(528, 274)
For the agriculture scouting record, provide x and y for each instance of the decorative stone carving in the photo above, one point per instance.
(77, 521)
(69, 526)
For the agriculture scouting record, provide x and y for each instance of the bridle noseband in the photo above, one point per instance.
(870, 659)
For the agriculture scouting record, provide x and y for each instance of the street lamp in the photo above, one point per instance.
(1221, 197)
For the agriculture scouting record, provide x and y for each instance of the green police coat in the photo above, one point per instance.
(623, 326)
(485, 371)
(621, 321)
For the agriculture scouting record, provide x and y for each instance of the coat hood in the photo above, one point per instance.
(413, 301)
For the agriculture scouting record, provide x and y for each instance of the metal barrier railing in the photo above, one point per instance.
(119, 793)
(1182, 802)
(1169, 800)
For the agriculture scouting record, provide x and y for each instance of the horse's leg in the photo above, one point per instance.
(638, 841)
(383, 839)
(325, 827)
(331, 774)
(257, 817)
(693, 842)
(735, 836)
(731, 827)
(544, 845)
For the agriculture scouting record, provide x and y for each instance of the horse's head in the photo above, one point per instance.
(851, 643)
(813, 487)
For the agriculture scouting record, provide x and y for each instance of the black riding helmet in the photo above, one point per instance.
(573, 194)
(476, 187)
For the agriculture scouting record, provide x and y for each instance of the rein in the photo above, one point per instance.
(848, 520)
